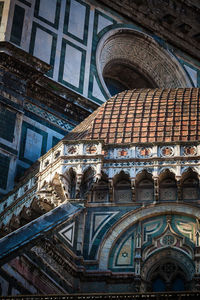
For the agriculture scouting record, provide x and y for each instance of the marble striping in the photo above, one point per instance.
(48, 116)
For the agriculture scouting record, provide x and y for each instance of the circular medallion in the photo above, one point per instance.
(167, 151)
(122, 152)
(144, 152)
(91, 149)
(190, 150)
(168, 240)
(72, 150)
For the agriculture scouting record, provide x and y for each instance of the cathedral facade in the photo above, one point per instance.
(99, 147)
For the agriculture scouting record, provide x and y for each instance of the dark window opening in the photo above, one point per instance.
(120, 76)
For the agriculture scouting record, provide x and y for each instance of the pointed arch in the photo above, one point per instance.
(143, 170)
(119, 170)
(187, 169)
(166, 169)
(190, 185)
(144, 186)
(101, 189)
(167, 186)
(71, 179)
(87, 181)
(122, 188)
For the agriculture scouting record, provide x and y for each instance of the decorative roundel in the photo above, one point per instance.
(57, 154)
(167, 151)
(190, 150)
(46, 163)
(122, 152)
(91, 149)
(72, 150)
(168, 240)
(144, 152)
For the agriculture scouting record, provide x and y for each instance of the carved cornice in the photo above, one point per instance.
(67, 94)
(65, 105)
(26, 73)
(21, 63)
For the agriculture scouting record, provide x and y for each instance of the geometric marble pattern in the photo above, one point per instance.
(124, 256)
(151, 227)
(48, 116)
(98, 221)
(186, 228)
(68, 233)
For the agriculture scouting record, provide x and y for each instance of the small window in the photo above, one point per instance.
(168, 190)
(123, 193)
(145, 190)
(190, 189)
(101, 192)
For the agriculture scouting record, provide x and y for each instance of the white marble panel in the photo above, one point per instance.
(68, 233)
(72, 65)
(51, 133)
(47, 10)
(102, 23)
(33, 145)
(77, 19)
(96, 92)
(192, 73)
(42, 47)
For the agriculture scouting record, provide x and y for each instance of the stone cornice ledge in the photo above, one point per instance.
(21, 63)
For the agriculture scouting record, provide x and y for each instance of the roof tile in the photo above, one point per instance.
(159, 115)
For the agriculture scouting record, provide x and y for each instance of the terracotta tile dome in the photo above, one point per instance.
(144, 116)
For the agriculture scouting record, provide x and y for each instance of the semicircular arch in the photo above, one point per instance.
(132, 217)
(142, 53)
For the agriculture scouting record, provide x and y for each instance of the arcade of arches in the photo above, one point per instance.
(143, 188)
